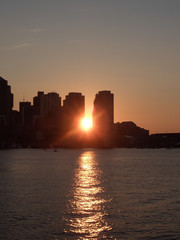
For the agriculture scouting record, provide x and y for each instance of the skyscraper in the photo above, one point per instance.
(26, 114)
(6, 102)
(103, 115)
(73, 110)
(47, 105)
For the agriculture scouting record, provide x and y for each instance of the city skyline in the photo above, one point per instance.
(87, 116)
(129, 47)
(47, 123)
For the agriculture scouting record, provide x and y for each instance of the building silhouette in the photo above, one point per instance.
(165, 140)
(73, 112)
(46, 105)
(38, 104)
(6, 103)
(128, 134)
(26, 114)
(103, 117)
(47, 119)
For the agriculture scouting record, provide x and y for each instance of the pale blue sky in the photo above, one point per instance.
(129, 47)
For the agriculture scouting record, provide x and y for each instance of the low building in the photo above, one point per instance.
(128, 134)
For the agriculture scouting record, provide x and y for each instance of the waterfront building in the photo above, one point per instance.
(128, 134)
(73, 110)
(26, 113)
(6, 103)
(103, 116)
(47, 116)
(46, 105)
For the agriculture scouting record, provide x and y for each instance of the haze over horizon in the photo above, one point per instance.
(131, 48)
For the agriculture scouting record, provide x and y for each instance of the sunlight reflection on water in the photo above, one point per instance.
(87, 206)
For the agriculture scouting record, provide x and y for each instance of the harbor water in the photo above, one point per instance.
(90, 194)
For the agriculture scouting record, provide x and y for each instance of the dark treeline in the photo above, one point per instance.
(48, 122)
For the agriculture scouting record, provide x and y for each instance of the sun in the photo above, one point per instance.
(86, 124)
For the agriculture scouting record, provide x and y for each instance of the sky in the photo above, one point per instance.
(130, 47)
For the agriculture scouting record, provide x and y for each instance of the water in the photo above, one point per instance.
(90, 194)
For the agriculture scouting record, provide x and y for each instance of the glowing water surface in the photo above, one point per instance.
(87, 207)
(79, 194)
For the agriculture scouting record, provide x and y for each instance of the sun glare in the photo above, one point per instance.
(86, 124)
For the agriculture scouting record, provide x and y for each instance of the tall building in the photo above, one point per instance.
(47, 105)
(73, 110)
(38, 104)
(26, 114)
(53, 104)
(47, 117)
(103, 115)
(6, 102)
